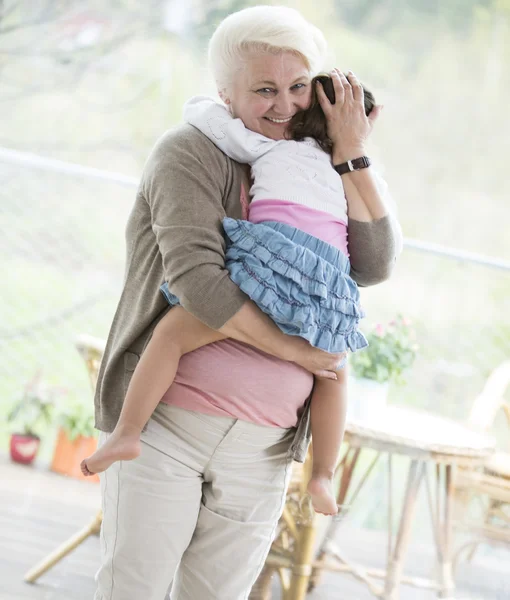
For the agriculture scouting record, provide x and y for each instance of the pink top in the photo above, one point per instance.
(320, 224)
(229, 378)
(232, 379)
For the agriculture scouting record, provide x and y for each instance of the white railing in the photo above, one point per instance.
(35, 161)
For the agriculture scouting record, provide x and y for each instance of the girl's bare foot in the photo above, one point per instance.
(322, 495)
(123, 444)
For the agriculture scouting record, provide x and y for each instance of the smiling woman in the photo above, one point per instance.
(266, 84)
(195, 476)
(269, 91)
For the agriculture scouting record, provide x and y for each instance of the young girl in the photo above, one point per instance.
(290, 258)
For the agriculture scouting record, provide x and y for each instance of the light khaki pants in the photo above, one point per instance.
(202, 502)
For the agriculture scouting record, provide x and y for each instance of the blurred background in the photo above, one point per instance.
(87, 87)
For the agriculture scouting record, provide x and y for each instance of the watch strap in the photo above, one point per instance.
(353, 165)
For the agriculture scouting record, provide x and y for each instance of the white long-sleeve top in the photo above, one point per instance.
(297, 172)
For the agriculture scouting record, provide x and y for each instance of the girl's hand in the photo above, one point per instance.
(348, 126)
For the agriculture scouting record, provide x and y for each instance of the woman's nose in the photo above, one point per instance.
(284, 105)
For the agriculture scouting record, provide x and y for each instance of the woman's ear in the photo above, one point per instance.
(224, 96)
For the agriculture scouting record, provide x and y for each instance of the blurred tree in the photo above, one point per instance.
(379, 16)
(213, 12)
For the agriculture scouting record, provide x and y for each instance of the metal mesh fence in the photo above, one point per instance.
(62, 251)
(62, 254)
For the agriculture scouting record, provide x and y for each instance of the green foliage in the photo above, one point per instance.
(33, 412)
(392, 350)
(76, 419)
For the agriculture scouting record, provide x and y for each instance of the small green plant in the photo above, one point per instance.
(76, 418)
(33, 412)
(391, 351)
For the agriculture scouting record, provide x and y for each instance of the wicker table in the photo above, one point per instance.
(435, 446)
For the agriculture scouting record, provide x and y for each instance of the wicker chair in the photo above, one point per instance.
(91, 349)
(491, 485)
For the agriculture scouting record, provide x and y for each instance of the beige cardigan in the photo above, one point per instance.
(174, 233)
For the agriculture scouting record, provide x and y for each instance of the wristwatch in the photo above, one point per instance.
(352, 165)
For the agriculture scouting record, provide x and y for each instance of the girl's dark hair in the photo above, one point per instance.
(312, 121)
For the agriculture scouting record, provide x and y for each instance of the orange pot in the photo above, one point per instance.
(68, 455)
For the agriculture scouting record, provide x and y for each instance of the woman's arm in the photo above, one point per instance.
(251, 326)
(365, 198)
(184, 184)
(373, 249)
(375, 237)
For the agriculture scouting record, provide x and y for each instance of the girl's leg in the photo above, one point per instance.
(328, 409)
(176, 334)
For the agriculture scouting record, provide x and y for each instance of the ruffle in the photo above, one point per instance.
(302, 283)
(169, 297)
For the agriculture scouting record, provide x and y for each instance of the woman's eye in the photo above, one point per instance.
(272, 91)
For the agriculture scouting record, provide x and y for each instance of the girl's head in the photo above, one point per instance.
(263, 59)
(311, 122)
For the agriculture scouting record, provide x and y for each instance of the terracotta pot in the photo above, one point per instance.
(68, 455)
(24, 448)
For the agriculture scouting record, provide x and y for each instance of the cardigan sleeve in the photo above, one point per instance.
(184, 182)
(375, 245)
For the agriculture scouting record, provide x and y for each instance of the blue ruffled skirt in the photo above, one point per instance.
(301, 282)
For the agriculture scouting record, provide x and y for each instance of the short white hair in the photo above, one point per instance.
(263, 29)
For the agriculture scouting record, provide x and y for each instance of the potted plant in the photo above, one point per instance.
(76, 439)
(391, 351)
(29, 418)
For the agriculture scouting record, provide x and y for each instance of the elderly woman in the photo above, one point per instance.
(200, 505)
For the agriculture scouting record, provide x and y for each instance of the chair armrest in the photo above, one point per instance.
(90, 343)
(91, 349)
(506, 410)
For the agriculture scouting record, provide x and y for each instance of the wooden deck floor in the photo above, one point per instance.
(38, 510)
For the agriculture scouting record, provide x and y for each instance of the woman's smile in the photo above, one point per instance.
(267, 83)
(277, 121)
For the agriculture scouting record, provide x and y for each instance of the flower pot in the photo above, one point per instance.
(367, 399)
(68, 455)
(24, 448)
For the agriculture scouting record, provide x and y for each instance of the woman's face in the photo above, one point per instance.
(268, 91)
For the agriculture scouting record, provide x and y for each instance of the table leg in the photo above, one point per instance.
(444, 550)
(395, 560)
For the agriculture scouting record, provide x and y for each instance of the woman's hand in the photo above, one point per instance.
(318, 362)
(348, 126)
